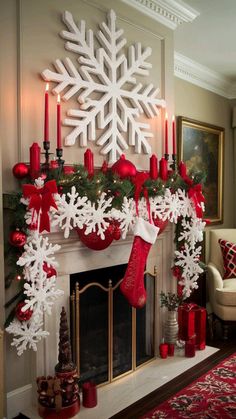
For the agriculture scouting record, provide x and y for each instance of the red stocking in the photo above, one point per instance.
(132, 286)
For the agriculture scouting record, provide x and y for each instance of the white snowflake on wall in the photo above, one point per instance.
(105, 83)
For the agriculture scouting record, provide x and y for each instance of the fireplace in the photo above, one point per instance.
(75, 258)
(109, 337)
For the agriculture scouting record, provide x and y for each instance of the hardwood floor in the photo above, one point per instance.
(142, 406)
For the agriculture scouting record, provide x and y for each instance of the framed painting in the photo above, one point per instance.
(201, 148)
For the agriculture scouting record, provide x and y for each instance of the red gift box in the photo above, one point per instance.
(186, 320)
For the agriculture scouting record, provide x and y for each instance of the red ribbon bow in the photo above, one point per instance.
(41, 199)
(195, 193)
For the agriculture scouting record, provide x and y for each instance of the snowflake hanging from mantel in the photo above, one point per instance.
(101, 84)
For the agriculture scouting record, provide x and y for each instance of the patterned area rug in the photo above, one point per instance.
(212, 396)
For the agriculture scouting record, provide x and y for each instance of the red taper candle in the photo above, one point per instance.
(153, 167)
(34, 160)
(88, 161)
(182, 169)
(166, 134)
(173, 136)
(163, 169)
(46, 114)
(58, 121)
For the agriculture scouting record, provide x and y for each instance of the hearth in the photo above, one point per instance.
(109, 337)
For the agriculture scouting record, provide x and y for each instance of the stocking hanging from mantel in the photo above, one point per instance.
(132, 286)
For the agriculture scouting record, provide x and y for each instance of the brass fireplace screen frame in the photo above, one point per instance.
(75, 312)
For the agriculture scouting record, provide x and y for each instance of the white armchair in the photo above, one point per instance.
(222, 292)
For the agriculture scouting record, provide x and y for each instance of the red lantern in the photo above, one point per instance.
(17, 238)
(20, 170)
(93, 241)
(23, 316)
(158, 222)
(124, 168)
(50, 271)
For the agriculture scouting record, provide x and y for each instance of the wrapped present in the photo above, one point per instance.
(186, 320)
(200, 327)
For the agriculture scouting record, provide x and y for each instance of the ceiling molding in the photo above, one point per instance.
(202, 76)
(170, 13)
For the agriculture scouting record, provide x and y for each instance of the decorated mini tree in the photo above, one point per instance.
(65, 363)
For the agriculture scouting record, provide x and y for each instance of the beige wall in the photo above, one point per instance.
(200, 104)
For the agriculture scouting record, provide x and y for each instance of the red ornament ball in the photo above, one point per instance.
(158, 222)
(93, 241)
(17, 238)
(50, 271)
(20, 170)
(23, 316)
(117, 233)
(124, 168)
(68, 170)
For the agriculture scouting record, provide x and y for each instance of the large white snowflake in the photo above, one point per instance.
(168, 206)
(38, 250)
(192, 231)
(70, 212)
(126, 216)
(27, 334)
(97, 215)
(106, 88)
(188, 259)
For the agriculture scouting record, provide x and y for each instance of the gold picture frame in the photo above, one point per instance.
(201, 147)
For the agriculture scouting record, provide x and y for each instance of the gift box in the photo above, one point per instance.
(192, 322)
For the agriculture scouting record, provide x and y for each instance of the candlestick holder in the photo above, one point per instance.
(46, 146)
(173, 164)
(59, 152)
(166, 156)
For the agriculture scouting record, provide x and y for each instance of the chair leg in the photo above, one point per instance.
(210, 320)
(225, 329)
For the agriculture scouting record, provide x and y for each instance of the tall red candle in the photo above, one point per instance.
(166, 134)
(163, 169)
(58, 121)
(173, 136)
(34, 160)
(46, 114)
(153, 167)
(88, 161)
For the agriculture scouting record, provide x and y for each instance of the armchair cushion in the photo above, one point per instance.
(227, 295)
(229, 258)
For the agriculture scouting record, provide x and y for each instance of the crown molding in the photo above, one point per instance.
(170, 13)
(202, 76)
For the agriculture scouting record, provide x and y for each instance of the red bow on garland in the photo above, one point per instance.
(41, 199)
(195, 193)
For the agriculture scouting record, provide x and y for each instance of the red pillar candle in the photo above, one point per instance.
(171, 349)
(190, 348)
(163, 169)
(89, 392)
(153, 167)
(46, 114)
(166, 134)
(182, 169)
(173, 136)
(34, 160)
(163, 349)
(88, 161)
(58, 122)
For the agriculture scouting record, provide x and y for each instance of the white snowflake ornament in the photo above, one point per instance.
(101, 86)
(97, 215)
(192, 231)
(126, 216)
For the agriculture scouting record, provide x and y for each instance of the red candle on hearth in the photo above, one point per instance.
(88, 161)
(171, 349)
(58, 122)
(163, 169)
(46, 114)
(163, 349)
(89, 393)
(34, 160)
(166, 134)
(173, 136)
(190, 348)
(153, 167)
(182, 169)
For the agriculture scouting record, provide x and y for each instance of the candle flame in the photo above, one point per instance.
(47, 87)
(58, 99)
(173, 118)
(166, 115)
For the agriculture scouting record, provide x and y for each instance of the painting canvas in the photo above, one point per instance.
(201, 148)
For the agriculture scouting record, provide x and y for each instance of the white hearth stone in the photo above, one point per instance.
(120, 394)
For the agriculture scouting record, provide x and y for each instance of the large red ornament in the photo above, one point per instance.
(50, 271)
(93, 241)
(20, 170)
(158, 222)
(124, 168)
(23, 316)
(17, 238)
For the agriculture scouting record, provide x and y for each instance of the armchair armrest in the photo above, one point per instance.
(215, 278)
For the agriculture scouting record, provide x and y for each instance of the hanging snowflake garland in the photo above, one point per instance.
(105, 71)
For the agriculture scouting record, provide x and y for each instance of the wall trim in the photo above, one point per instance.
(18, 400)
(195, 73)
(170, 13)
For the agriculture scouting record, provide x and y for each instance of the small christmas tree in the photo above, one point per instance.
(65, 363)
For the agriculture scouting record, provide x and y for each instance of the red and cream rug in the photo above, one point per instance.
(212, 396)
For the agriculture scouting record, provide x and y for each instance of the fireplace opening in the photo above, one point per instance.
(109, 337)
